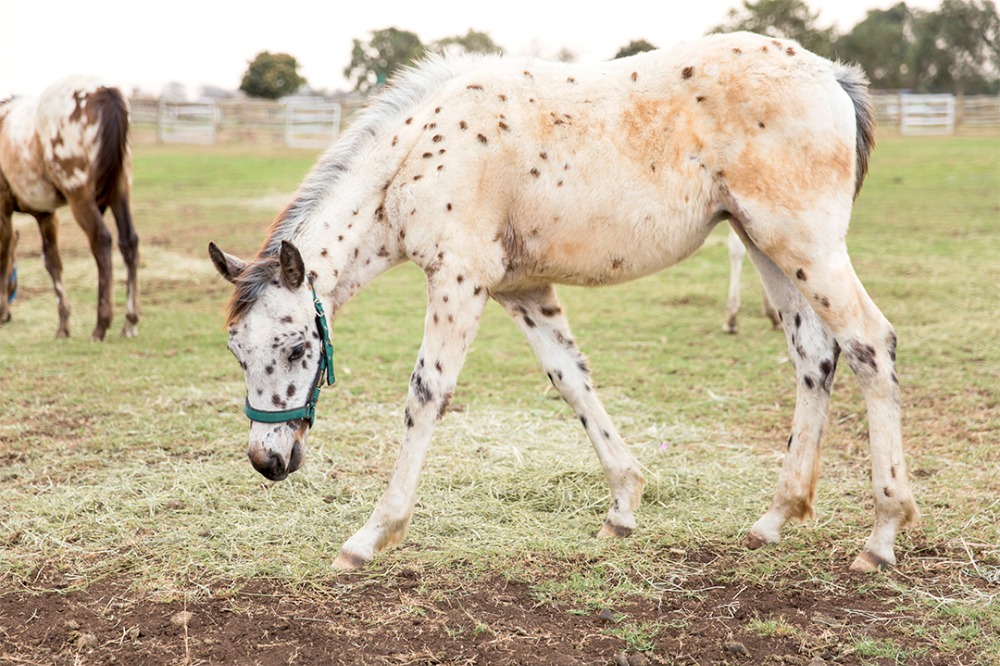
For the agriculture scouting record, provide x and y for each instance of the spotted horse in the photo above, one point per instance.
(70, 145)
(502, 177)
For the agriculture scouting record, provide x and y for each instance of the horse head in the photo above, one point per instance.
(278, 333)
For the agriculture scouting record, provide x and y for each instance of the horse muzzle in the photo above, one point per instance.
(279, 450)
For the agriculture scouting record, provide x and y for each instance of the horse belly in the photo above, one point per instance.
(592, 235)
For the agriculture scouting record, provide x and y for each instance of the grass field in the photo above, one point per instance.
(125, 462)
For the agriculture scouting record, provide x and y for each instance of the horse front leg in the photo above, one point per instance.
(543, 323)
(89, 217)
(455, 306)
(48, 227)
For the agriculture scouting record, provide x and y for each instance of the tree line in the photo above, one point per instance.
(953, 49)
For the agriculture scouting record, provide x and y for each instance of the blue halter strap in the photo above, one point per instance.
(307, 411)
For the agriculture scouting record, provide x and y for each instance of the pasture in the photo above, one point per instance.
(133, 529)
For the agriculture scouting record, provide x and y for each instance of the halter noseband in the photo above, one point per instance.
(307, 411)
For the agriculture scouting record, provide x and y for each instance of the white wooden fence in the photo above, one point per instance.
(298, 122)
(187, 122)
(927, 114)
(311, 123)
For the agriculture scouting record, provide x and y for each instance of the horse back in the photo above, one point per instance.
(70, 140)
(602, 173)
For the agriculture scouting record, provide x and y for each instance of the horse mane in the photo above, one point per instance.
(112, 109)
(410, 87)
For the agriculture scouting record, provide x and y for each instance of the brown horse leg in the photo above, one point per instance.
(48, 225)
(90, 220)
(128, 244)
(6, 255)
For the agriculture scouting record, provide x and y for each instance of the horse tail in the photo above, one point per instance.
(854, 82)
(113, 111)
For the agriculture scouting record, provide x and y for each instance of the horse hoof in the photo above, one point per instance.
(754, 541)
(869, 562)
(609, 531)
(348, 561)
(130, 331)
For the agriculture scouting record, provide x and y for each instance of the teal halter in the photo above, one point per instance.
(308, 411)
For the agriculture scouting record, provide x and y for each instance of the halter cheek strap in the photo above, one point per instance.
(307, 411)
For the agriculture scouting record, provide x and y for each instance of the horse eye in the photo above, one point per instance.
(297, 353)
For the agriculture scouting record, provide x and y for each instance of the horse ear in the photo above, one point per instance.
(293, 270)
(228, 266)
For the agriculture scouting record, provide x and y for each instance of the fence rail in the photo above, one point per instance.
(297, 122)
(911, 113)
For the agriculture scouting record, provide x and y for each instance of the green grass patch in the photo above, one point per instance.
(130, 456)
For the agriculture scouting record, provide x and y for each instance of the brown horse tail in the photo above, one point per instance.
(854, 82)
(114, 114)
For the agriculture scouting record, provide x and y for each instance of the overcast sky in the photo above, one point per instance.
(147, 45)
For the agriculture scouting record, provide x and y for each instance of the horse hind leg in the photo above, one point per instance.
(814, 352)
(48, 227)
(541, 319)
(826, 283)
(128, 244)
(89, 217)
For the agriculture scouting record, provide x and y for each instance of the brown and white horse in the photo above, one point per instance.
(70, 145)
(501, 178)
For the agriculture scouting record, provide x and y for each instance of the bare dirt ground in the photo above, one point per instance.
(401, 618)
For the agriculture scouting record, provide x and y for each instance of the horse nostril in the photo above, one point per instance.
(272, 467)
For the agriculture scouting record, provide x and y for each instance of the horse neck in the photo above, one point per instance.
(348, 240)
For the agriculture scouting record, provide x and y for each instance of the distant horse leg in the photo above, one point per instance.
(90, 220)
(6, 257)
(128, 244)
(736, 254)
(769, 310)
(542, 321)
(455, 305)
(48, 225)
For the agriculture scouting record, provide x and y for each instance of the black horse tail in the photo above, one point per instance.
(854, 82)
(113, 110)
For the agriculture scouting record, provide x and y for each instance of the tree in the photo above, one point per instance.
(791, 19)
(633, 47)
(881, 44)
(271, 76)
(472, 42)
(957, 48)
(389, 50)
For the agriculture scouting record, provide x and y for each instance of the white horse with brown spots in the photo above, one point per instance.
(70, 146)
(500, 178)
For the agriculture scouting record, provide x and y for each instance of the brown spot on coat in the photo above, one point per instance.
(687, 72)
(463, 125)
(482, 138)
(635, 76)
